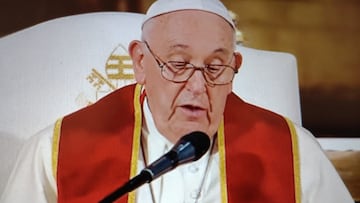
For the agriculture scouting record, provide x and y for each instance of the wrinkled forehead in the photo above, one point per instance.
(188, 25)
(161, 7)
(190, 30)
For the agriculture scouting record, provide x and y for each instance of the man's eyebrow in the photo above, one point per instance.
(221, 50)
(184, 46)
(181, 46)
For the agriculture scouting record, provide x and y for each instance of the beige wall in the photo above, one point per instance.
(323, 34)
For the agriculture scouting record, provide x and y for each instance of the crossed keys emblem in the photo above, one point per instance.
(118, 73)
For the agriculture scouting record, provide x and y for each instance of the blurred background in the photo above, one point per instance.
(322, 34)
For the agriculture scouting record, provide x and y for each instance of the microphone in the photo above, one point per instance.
(190, 147)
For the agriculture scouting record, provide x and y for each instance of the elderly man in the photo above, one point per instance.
(184, 66)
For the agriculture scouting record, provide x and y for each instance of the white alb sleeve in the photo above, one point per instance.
(320, 182)
(32, 179)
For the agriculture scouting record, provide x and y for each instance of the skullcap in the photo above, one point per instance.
(160, 7)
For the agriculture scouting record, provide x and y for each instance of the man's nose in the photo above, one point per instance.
(196, 83)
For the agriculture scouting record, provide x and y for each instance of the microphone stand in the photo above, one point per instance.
(156, 169)
(189, 148)
(129, 186)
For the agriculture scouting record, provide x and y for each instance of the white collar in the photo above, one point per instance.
(154, 142)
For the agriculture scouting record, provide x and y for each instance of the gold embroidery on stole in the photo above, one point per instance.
(296, 160)
(55, 146)
(222, 162)
(136, 138)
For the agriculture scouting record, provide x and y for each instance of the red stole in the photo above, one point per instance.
(259, 157)
(95, 152)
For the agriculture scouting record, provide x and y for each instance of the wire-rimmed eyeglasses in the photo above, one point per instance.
(180, 71)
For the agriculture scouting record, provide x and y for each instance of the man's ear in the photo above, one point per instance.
(238, 60)
(137, 55)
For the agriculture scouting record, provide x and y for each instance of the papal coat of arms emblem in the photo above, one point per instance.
(118, 72)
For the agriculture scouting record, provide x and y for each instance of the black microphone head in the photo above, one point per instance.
(191, 147)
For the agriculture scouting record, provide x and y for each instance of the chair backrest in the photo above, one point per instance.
(59, 66)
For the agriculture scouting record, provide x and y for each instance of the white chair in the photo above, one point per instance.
(59, 66)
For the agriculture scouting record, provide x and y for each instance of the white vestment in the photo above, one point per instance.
(32, 179)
